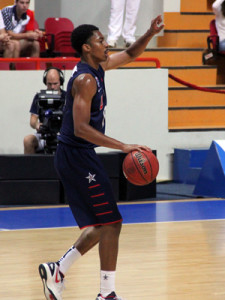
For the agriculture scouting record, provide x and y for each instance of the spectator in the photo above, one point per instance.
(219, 10)
(19, 23)
(118, 26)
(8, 46)
(53, 78)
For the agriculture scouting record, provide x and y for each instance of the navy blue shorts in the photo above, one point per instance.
(87, 186)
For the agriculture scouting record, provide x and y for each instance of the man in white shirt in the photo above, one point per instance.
(20, 25)
(8, 47)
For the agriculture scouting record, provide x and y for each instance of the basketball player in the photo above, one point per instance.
(86, 183)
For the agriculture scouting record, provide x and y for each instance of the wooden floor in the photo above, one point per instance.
(163, 261)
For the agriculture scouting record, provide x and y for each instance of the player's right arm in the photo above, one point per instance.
(83, 90)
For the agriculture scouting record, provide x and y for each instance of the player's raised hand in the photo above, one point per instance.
(156, 25)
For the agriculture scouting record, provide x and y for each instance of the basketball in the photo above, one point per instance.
(140, 168)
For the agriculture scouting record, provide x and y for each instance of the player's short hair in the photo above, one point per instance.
(80, 36)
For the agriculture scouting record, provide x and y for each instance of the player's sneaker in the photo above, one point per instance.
(52, 280)
(111, 296)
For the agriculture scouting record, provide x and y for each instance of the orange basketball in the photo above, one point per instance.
(140, 167)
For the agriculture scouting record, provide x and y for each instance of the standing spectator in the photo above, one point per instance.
(19, 23)
(117, 24)
(219, 10)
(8, 46)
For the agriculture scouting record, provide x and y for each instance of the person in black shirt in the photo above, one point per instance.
(53, 78)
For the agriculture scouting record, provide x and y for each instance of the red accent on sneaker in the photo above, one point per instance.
(56, 278)
(51, 297)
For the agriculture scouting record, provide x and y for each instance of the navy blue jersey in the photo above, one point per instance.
(97, 119)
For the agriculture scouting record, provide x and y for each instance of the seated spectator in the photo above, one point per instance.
(53, 78)
(19, 24)
(8, 46)
(219, 10)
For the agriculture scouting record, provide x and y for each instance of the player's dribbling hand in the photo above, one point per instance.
(131, 147)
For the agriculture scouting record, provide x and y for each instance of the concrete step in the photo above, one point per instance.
(198, 75)
(184, 38)
(170, 57)
(196, 118)
(189, 97)
(196, 5)
(187, 21)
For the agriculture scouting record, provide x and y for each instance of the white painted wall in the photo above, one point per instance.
(96, 12)
(137, 112)
(172, 5)
(93, 12)
(32, 4)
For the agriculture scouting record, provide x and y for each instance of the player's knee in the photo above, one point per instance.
(114, 228)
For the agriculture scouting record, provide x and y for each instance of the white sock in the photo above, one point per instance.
(68, 259)
(107, 282)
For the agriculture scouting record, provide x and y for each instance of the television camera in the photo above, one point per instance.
(50, 110)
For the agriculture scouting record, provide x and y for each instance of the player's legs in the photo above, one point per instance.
(129, 28)
(90, 196)
(108, 246)
(115, 21)
(108, 238)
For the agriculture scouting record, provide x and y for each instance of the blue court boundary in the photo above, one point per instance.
(54, 217)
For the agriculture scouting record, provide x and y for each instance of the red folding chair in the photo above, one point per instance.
(61, 29)
(213, 44)
(46, 42)
(213, 38)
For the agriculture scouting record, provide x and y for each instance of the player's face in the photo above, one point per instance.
(22, 6)
(99, 47)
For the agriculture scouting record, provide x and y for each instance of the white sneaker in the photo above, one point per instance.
(128, 43)
(112, 44)
(52, 280)
(111, 296)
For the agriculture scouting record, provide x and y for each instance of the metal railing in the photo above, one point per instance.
(51, 60)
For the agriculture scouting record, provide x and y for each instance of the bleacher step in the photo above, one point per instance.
(184, 38)
(187, 21)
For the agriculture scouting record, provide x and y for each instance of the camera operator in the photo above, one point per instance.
(53, 78)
